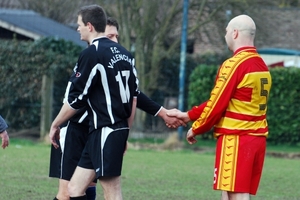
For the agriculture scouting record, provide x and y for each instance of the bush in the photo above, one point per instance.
(284, 106)
(23, 64)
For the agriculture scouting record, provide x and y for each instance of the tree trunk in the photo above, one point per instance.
(46, 105)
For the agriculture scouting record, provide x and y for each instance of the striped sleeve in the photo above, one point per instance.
(218, 101)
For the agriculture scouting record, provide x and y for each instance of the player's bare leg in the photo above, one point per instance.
(63, 193)
(234, 196)
(224, 195)
(80, 181)
(111, 187)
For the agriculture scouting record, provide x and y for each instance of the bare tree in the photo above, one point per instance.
(152, 30)
(9, 4)
(62, 11)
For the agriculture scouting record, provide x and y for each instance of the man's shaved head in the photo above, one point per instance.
(243, 23)
(240, 32)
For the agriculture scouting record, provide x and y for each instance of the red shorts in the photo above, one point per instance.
(239, 163)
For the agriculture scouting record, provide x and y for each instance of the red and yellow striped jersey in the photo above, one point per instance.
(238, 101)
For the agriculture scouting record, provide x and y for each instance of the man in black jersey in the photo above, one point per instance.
(105, 79)
(73, 137)
(63, 160)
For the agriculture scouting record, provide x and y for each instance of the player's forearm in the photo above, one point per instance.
(148, 105)
(64, 115)
(131, 118)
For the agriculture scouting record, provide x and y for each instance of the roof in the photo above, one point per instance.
(278, 51)
(35, 26)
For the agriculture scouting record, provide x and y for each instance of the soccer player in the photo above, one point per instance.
(73, 136)
(237, 110)
(105, 79)
(3, 133)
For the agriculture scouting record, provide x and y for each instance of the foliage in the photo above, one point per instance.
(283, 104)
(22, 66)
(201, 83)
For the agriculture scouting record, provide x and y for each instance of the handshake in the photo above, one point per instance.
(174, 118)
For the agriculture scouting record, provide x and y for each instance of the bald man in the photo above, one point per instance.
(237, 111)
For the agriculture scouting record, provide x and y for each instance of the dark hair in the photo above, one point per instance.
(112, 22)
(95, 15)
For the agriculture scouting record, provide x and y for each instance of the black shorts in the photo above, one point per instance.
(64, 160)
(104, 150)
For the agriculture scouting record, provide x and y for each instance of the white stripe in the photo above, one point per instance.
(67, 92)
(106, 91)
(94, 114)
(62, 139)
(104, 134)
(88, 82)
(102, 71)
(135, 73)
(85, 114)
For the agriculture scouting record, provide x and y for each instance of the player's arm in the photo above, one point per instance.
(3, 133)
(218, 101)
(64, 114)
(133, 109)
(3, 125)
(151, 107)
(196, 111)
(148, 105)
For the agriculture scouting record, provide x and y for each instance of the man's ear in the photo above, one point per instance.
(235, 33)
(91, 27)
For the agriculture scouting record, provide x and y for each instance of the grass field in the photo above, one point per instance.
(147, 175)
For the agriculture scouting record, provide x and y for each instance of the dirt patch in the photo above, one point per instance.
(284, 155)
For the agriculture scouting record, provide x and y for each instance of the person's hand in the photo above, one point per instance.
(170, 121)
(5, 139)
(190, 137)
(54, 136)
(183, 116)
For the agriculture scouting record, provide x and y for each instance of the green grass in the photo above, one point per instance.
(147, 175)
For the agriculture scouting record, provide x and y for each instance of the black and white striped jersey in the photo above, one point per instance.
(105, 79)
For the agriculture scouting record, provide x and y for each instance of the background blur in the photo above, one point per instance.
(39, 47)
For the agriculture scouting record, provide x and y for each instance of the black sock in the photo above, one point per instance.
(91, 193)
(55, 198)
(79, 198)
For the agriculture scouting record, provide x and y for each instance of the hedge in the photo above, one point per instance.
(23, 63)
